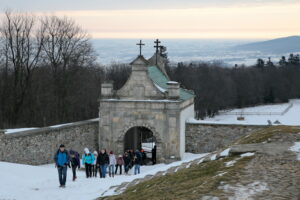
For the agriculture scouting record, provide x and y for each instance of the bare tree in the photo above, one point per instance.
(66, 46)
(20, 47)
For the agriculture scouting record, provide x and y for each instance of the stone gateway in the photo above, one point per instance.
(148, 111)
(148, 108)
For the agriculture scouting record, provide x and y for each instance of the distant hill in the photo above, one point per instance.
(280, 45)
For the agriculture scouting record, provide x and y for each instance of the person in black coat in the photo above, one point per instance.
(75, 162)
(102, 162)
(127, 161)
(154, 155)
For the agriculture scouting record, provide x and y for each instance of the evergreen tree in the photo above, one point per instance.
(270, 63)
(260, 63)
(282, 61)
(294, 59)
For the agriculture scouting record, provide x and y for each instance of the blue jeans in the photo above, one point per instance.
(62, 175)
(126, 168)
(111, 169)
(103, 171)
(137, 169)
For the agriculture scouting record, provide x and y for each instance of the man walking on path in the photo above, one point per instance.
(102, 162)
(137, 162)
(61, 159)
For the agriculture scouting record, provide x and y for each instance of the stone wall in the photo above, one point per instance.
(38, 146)
(201, 138)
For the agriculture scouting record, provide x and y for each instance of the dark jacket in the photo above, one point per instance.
(62, 159)
(126, 160)
(75, 161)
(102, 159)
(138, 158)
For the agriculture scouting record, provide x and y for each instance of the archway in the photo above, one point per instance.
(140, 137)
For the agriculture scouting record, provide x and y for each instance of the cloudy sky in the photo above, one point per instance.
(173, 18)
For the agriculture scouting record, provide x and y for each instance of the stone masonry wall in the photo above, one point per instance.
(201, 138)
(38, 146)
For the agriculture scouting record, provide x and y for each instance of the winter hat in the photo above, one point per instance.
(61, 146)
(95, 153)
(86, 150)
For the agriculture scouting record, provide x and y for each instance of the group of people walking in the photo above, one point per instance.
(97, 161)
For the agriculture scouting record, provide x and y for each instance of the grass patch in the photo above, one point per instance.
(186, 184)
(264, 134)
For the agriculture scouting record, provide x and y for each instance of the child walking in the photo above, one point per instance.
(75, 162)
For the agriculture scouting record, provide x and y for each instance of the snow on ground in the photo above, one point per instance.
(225, 152)
(41, 182)
(249, 154)
(296, 148)
(244, 192)
(286, 114)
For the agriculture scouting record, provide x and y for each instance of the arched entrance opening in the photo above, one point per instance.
(141, 138)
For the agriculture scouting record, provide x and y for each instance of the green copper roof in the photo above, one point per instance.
(161, 80)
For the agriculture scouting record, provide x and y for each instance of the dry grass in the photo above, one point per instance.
(186, 184)
(198, 180)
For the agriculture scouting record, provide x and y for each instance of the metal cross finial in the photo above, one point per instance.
(156, 44)
(140, 44)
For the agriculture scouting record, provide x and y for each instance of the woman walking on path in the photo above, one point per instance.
(88, 160)
(120, 163)
(112, 163)
(94, 165)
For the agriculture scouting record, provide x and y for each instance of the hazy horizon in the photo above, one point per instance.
(182, 50)
(177, 19)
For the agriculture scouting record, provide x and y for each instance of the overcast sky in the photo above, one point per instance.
(173, 18)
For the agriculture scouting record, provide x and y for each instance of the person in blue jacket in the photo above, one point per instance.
(62, 159)
(87, 160)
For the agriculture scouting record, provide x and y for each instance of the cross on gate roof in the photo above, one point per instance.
(140, 44)
(157, 44)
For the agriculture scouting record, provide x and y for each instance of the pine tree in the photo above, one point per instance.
(282, 61)
(270, 63)
(260, 63)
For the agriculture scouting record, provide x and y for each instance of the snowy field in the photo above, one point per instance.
(286, 114)
(25, 182)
